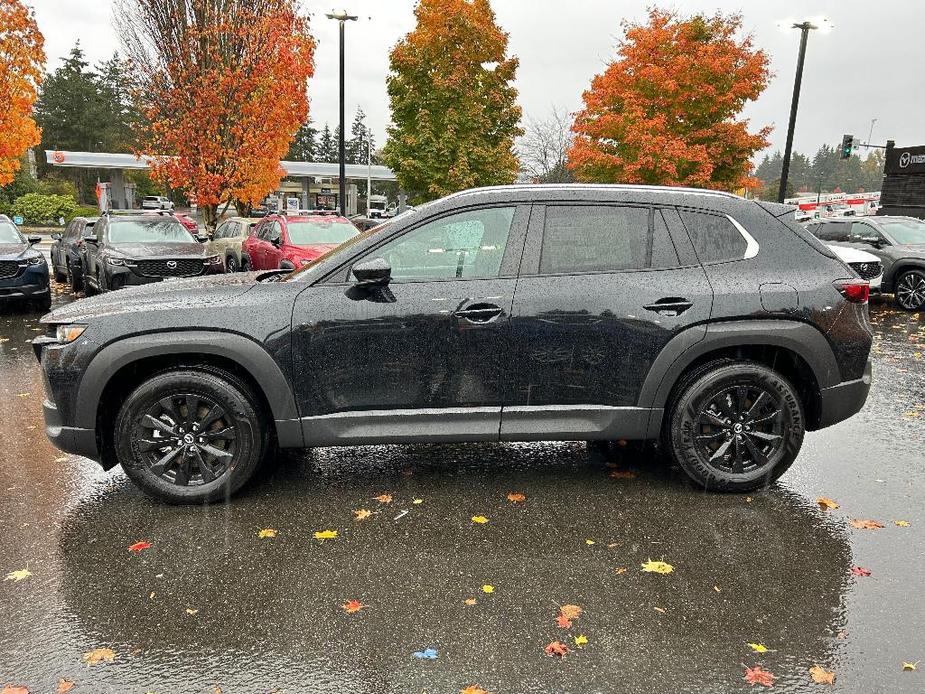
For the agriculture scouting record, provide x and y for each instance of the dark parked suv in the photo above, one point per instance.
(140, 249)
(65, 251)
(515, 313)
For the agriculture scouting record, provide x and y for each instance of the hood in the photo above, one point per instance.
(853, 255)
(13, 251)
(169, 294)
(159, 250)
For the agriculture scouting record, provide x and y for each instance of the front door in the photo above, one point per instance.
(603, 288)
(426, 353)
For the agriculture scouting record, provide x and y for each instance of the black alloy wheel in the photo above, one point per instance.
(231, 264)
(910, 290)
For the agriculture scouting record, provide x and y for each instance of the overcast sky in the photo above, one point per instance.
(869, 66)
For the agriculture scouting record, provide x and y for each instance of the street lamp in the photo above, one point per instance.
(804, 26)
(342, 17)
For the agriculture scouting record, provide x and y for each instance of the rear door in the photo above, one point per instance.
(603, 288)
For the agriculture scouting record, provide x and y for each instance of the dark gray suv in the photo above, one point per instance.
(899, 242)
(522, 313)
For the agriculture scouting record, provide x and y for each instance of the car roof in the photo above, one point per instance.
(312, 217)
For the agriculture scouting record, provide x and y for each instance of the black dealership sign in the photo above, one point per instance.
(905, 160)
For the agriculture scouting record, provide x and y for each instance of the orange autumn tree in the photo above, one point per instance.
(666, 110)
(222, 87)
(21, 60)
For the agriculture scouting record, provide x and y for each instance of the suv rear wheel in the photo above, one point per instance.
(910, 290)
(190, 435)
(734, 426)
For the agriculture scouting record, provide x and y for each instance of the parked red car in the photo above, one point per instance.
(188, 222)
(288, 242)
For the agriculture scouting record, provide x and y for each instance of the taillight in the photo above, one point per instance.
(854, 290)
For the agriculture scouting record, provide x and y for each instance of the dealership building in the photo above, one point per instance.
(903, 190)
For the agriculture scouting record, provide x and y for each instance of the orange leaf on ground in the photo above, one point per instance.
(384, 498)
(516, 497)
(99, 655)
(622, 475)
(820, 675)
(863, 524)
(138, 546)
(860, 571)
(352, 606)
(473, 689)
(556, 648)
(570, 611)
(361, 514)
(13, 689)
(564, 621)
(756, 675)
(64, 686)
(826, 504)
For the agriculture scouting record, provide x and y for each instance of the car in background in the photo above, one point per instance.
(867, 265)
(65, 251)
(366, 223)
(191, 224)
(156, 202)
(376, 206)
(287, 242)
(142, 248)
(228, 238)
(23, 269)
(899, 243)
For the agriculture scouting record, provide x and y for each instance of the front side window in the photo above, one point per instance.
(865, 233)
(906, 232)
(715, 238)
(321, 231)
(164, 230)
(467, 245)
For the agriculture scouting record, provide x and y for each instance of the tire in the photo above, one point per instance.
(245, 264)
(75, 282)
(910, 290)
(43, 305)
(717, 452)
(60, 277)
(189, 468)
(231, 264)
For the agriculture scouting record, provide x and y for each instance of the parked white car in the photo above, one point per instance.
(867, 265)
(156, 202)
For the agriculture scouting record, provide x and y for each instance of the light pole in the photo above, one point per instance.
(342, 17)
(369, 169)
(804, 27)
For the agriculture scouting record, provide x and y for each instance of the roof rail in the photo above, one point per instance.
(597, 186)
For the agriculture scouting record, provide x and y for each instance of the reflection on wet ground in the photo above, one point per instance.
(212, 604)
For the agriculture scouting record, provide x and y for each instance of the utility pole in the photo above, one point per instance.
(342, 17)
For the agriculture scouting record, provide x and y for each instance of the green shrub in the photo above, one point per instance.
(44, 209)
(83, 211)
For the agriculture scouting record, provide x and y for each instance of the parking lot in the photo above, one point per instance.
(210, 605)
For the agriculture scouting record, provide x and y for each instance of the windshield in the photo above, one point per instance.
(9, 233)
(906, 232)
(165, 230)
(320, 231)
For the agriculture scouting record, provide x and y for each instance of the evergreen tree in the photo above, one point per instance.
(304, 145)
(327, 145)
(361, 138)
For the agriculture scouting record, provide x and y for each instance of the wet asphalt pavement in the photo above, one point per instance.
(211, 606)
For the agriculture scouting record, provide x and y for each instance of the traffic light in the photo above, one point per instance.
(847, 145)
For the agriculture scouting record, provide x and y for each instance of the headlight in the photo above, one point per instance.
(305, 261)
(116, 261)
(35, 260)
(213, 260)
(68, 333)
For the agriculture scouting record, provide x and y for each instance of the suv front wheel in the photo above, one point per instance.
(734, 426)
(190, 435)
(910, 290)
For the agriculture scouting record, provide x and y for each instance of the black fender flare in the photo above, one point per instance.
(686, 347)
(245, 352)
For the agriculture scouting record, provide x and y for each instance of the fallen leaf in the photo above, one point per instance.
(18, 576)
(61, 460)
(488, 589)
(911, 666)
(361, 514)
(860, 571)
(190, 611)
(620, 570)
(570, 611)
(758, 647)
(820, 675)
(64, 686)
(717, 589)
(473, 689)
(902, 523)
(826, 504)
(556, 648)
(417, 501)
(23, 395)
(99, 655)
(516, 497)
(658, 567)
(563, 621)
(384, 498)
(756, 675)
(662, 610)
(865, 524)
(589, 542)
(581, 640)
(479, 519)
(13, 689)
(470, 601)
(352, 606)
(138, 546)
(622, 474)
(426, 654)
(325, 534)
(268, 532)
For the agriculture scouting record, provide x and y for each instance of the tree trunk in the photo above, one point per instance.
(209, 217)
(243, 208)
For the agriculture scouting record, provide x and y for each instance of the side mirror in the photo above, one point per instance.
(35, 239)
(375, 272)
(277, 241)
(54, 237)
(91, 238)
(202, 238)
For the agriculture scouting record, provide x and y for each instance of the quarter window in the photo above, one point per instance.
(467, 245)
(715, 238)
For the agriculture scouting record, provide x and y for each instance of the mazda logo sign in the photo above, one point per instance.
(172, 264)
(904, 159)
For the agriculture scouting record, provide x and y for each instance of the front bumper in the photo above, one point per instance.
(29, 284)
(68, 439)
(845, 400)
(119, 276)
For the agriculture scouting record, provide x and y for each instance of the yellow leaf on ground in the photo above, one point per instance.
(268, 532)
(758, 647)
(488, 589)
(479, 519)
(820, 675)
(190, 611)
(589, 542)
(620, 570)
(361, 514)
(18, 576)
(657, 567)
(911, 666)
(99, 655)
(417, 501)
(581, 640)
(902, 523)
(826, 504)
(325, 534)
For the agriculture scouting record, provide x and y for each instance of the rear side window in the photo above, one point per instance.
(604, 238)
(831, 231)
(715, 238)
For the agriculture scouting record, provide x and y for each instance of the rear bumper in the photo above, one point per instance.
(68, 439)
(845, 400)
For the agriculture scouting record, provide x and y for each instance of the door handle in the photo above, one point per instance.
(669, 306)
(480, 313)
